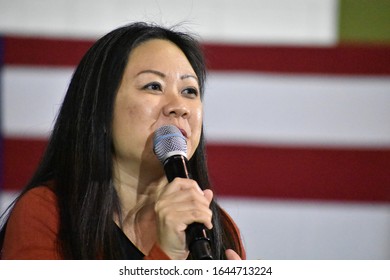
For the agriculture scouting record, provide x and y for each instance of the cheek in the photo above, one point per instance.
(136, 115)
(196, 124)
(198, 119)
(129, 124)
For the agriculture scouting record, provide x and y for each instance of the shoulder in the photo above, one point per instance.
(32, 227)
(232, 232)
(37, 204)
(39, 198)
(228, 221)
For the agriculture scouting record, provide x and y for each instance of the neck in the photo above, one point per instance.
(137, 195)
(136, 188)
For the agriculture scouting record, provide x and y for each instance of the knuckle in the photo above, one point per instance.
(195, 214)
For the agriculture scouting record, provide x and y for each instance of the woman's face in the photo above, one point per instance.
(158, 87)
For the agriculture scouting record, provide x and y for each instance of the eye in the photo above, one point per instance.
(154, 86)
(191, 92)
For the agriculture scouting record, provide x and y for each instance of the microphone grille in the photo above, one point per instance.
(169, 141)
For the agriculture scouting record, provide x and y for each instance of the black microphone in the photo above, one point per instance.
(170, 147)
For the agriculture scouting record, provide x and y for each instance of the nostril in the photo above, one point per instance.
(175, 106)
(179, 112)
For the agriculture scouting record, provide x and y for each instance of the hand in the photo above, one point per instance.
(180, 204)
(232, 255)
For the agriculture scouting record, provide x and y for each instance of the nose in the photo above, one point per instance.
(176, 107)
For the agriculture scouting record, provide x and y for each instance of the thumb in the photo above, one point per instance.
(208, 195)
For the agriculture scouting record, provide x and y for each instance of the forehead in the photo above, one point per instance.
(158, 51)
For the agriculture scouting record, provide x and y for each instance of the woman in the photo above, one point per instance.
(99, 191)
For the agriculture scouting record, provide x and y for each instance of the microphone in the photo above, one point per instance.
(170, 147)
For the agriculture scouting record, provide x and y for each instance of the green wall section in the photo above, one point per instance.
(365, 21)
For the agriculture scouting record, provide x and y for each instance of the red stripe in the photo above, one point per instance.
(349, 60)
(21, 157)
(263, 172)
(352, 59)
(301, 173)
(44, 51)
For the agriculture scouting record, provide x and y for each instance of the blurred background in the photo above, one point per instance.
(297, 109)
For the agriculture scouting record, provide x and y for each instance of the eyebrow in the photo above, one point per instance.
(162, 75)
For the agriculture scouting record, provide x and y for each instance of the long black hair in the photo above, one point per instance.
(78, 158)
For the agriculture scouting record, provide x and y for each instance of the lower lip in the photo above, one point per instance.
(183, 132)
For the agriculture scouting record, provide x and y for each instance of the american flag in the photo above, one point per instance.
(297, 127)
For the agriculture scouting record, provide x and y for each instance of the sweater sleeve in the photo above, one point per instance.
(229, 223)
(32, 228)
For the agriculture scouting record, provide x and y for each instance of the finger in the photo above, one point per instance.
(208, 195)
(185, 190)
(184, 204)
(190, 199)
(185, 213)
(232, 255)
(181, 184)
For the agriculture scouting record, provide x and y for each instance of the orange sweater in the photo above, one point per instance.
(32, 229)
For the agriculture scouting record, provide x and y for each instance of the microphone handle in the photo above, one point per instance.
(198, 242)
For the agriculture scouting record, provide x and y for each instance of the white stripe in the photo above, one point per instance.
(31, 99)
(239, 107)
(310, 230)
(299, 110)
(250, 21)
